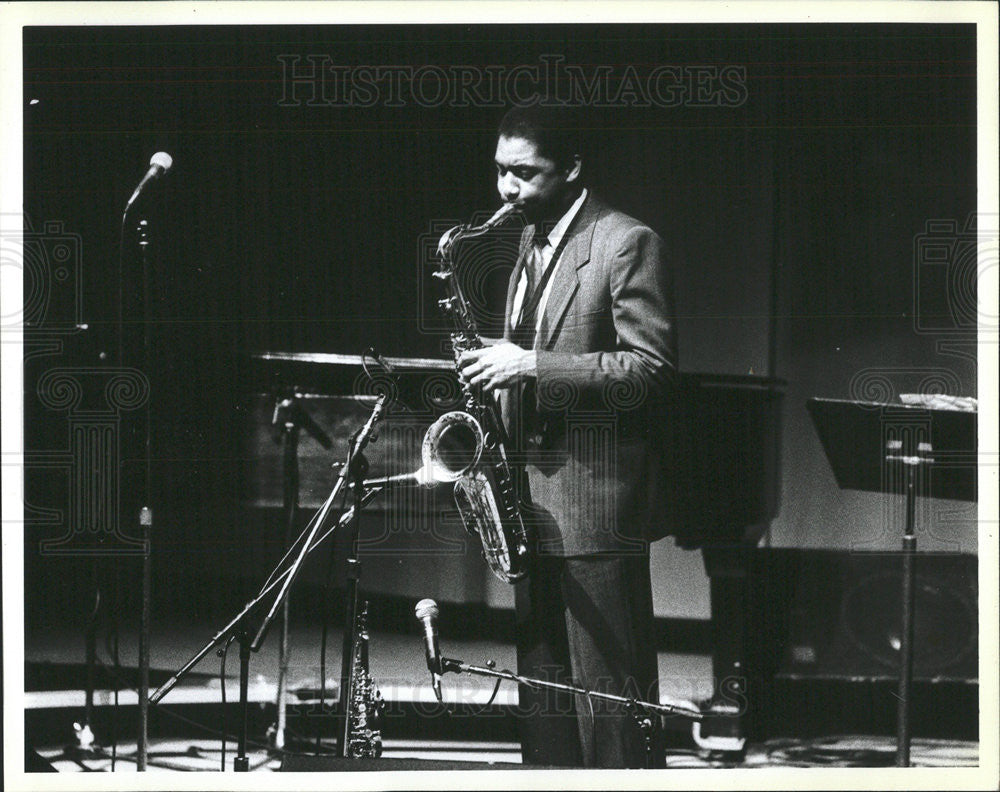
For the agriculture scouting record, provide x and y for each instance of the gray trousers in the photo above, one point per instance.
(588, 621)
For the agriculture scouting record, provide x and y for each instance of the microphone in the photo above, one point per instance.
(422, 477)
(289, 410)
(159, 164)
(427, 612)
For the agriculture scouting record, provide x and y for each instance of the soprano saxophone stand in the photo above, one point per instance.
(308, 541)
(894, 448)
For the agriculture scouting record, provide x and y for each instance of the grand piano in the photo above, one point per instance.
(720, 476)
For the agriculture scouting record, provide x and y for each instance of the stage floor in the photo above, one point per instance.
(396, 663)
(169, 756)
(55, 662)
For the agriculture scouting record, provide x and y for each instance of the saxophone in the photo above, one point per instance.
(469, 446)
(364, 734)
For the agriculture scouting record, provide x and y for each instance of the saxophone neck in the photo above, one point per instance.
(448, 240)
(452, 235)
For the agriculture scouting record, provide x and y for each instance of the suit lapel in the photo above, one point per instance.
(566, 279)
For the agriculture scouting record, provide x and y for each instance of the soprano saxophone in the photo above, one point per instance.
(364, 735)
(469, 446)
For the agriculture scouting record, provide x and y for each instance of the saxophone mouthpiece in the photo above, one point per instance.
(499, 216)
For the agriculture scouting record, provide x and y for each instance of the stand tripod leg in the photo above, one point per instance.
(84, 730)
(906, 631)
(290, 466)
(91, 650)
(241, 764)
(142, 751)
(282, 701)
(345, 695)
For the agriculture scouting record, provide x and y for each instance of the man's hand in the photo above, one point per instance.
(497, 366)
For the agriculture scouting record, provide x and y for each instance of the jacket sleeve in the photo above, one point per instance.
(643, 363)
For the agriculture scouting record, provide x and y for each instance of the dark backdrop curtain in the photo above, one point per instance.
(791, 213)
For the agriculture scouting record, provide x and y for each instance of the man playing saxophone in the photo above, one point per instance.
(589, 347)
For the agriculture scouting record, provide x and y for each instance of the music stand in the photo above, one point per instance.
(900, 449)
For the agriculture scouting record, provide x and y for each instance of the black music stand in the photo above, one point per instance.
(900, 449)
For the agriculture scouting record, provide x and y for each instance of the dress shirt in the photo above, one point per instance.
(553, 239)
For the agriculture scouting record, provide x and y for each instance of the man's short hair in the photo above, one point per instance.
(554, 129)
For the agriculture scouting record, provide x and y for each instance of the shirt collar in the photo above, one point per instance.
(558, 231)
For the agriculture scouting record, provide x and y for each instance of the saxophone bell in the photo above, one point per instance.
(452, 448)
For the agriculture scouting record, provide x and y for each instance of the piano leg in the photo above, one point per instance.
(730, 572)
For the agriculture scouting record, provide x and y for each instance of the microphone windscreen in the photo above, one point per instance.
(425, 608)
(162, 159)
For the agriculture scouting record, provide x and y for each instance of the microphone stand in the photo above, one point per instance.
(355, 456)
(159, 164)
(85, 740)
(290, 416)
(309, 539)
(642, 711)
(145, 519)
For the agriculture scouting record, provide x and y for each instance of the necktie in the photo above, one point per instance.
(534, 268)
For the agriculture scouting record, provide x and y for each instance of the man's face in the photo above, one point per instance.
(535, 183)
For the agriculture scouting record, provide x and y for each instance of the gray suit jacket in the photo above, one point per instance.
(607, 354)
